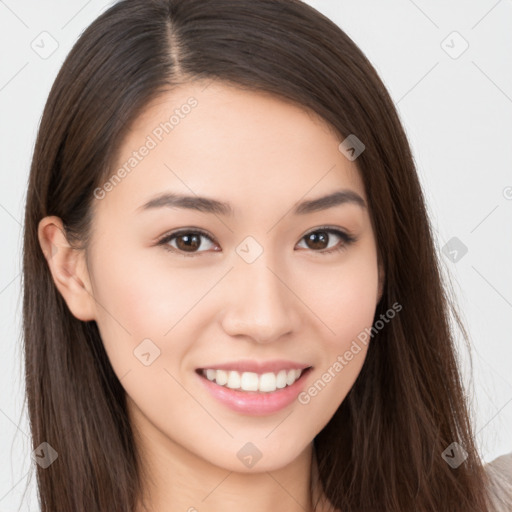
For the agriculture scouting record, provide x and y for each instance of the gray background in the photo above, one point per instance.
(457, 112)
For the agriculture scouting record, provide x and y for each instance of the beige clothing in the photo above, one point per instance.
(500, 488)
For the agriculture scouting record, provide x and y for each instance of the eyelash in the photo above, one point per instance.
(346, 238)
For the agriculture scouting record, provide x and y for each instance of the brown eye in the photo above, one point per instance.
(186, 242)
(319, 240)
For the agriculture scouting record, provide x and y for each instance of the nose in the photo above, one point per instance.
(261, 304)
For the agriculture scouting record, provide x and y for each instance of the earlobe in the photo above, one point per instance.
(67, 267)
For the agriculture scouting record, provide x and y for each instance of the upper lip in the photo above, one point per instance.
(250, 365)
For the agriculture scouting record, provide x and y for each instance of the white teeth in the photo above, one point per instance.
(250, 381)
(281, 379)
(221, 377)
(291, 377)
(233, 380)
(268, 382)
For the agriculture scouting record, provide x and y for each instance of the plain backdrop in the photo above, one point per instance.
(447, 67)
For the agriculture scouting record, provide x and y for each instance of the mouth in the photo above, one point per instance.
(252, 382)
(253, 395)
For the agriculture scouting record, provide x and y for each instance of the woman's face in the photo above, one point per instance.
(260, 286)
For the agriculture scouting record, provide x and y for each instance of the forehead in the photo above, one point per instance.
(247, 148)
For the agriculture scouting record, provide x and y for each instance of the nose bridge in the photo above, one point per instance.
(260, 306)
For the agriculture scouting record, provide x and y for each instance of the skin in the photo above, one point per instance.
(262, 155)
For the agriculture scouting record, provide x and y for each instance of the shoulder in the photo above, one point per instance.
(499, 472)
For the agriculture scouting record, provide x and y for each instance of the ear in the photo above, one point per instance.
(68, 268)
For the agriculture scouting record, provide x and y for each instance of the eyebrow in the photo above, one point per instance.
(208, 205)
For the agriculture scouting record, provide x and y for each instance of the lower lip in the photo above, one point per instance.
(255, 403)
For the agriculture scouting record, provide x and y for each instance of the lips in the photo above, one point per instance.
(255, 403)
(260, 367)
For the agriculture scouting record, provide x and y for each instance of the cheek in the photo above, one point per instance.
(342, 297)
(145, 295)
(344, 302)
(348, 311)
(140, 299)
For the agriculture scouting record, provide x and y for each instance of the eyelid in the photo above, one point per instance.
(341, 231)
(182, 231)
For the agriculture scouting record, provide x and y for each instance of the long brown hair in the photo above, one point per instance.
(382, 448)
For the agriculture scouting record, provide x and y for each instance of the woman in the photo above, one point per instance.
(186, 349)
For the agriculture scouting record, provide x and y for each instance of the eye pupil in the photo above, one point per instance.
(195, 239)
(316, 237)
